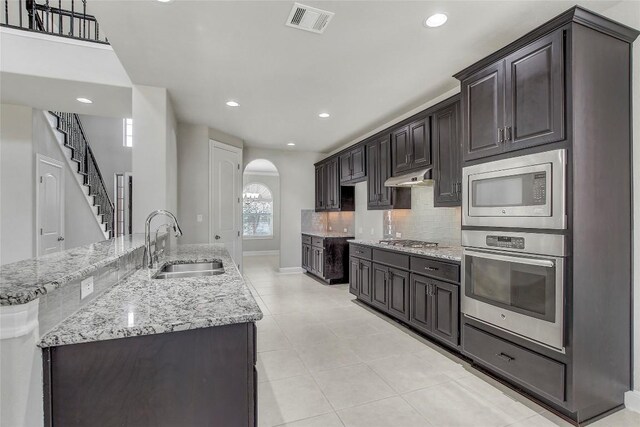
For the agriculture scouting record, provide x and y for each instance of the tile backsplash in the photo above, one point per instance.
(423, 221)
(313, 221)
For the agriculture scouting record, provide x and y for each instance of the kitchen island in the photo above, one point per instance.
(147, 351)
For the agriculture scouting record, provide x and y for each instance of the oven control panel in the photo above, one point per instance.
(539, 188)
(505, 242)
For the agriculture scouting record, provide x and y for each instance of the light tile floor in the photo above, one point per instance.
(324, 361)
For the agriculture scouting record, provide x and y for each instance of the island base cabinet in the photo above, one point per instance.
(200, 377)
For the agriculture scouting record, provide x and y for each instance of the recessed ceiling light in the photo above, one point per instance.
(436, 20)
(84, 100)
(165, 1)
(232, 104)
(291, 144)
(323, 115)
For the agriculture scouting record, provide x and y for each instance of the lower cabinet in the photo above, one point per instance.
(435, 307)
(360, 278)
(381, 279)
(326, 257)
(198, 377)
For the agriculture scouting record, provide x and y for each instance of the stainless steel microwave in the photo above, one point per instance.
(521, 192)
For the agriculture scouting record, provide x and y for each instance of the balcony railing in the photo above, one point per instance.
(68, 18)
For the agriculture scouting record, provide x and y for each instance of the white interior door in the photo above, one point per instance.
(50, 206)
(226, 186)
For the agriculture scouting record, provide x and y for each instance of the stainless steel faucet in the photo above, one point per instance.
(148, 256)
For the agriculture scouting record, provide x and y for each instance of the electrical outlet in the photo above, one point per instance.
(372, 231)
(86, 287)
(345, 230)
(330, 228)
(398, 235)
(199, 218)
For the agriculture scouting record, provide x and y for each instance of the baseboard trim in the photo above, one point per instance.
(290, 270)
(260, 253)
(632, 400)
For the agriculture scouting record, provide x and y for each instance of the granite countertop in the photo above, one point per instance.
(446, 252)
(328, 234)
(24, 281)
(140, 305)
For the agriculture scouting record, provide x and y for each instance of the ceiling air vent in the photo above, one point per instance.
(309, 18)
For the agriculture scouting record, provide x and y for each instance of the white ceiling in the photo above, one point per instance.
(374, 62)
(261, 167)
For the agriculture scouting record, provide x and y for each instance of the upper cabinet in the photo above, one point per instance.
(411, 147)
(353, 166)
(447, 171)
(516, 102)
(330, 195)
(378, 154)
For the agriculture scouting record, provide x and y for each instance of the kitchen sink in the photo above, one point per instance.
(195, 269)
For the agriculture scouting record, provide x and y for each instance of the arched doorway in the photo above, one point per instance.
(261, 209)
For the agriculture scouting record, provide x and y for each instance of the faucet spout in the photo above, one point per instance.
(148, 256)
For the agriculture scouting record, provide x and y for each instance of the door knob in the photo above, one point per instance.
(60, 239)
(217, 237)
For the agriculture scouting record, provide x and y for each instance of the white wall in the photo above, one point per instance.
(628, 12)
(297, 189)
(154, 156)
(272, 243)
(368, 223)
(105, 135)
(17, 198)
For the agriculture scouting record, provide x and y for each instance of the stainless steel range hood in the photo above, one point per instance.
(412, 179)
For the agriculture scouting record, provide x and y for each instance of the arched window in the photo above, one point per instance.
(257, 211)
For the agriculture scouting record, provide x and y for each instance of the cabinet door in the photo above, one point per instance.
(380, 294)
(448, 168)
(420, 145)
(358, 164)
(400, 150)
(373, 175)
(421, 309)
(445, 310)
(333, 184)
(305, 256)
(354, 276)
(483, 112)
(365, 280)
(320, 264)
(320, 187)
(345, 167)
(398, 285)
(535, 93)
(385, 197)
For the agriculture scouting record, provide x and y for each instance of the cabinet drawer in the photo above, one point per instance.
(429, 267)
(393, 259)
(306, 239)
(360, 251)
(534, 371)
(317, 242)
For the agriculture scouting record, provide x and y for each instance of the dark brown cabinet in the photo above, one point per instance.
(398, 293)
(353, 166)
(320, 188)
(330, 195)
(435, 307)
(378, 171)
(516, 102)
(360, 278)
(447, 169)
(379, 286)
(326, 257)
(411, 147)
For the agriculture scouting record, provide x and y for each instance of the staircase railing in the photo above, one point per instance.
(76, 140)
(50, 17)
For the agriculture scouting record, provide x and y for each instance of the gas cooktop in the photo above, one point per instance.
(409, 243)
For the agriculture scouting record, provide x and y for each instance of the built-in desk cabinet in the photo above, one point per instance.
(421, 292)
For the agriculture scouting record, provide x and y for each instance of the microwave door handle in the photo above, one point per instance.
(517, 260)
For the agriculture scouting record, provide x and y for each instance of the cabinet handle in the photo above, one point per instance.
(500, 135)
(431, 268)
(505, 357)
(391, 274)
(507, 136)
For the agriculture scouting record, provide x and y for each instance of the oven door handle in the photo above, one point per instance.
(506, 258)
